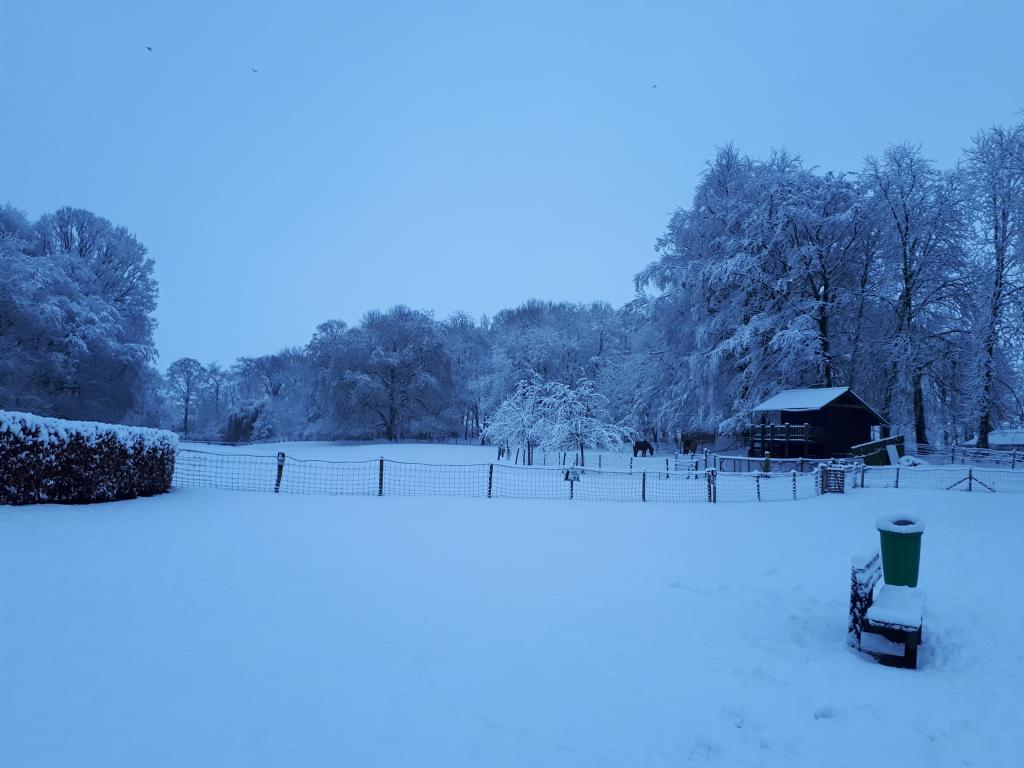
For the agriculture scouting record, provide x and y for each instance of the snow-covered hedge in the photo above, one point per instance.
(76, 462)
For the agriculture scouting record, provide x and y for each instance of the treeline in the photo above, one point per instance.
(903, 280)
(402, 374)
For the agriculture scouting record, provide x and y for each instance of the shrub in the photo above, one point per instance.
(78, 462)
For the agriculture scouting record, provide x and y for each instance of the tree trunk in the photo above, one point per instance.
(989, 349)
(920, 433)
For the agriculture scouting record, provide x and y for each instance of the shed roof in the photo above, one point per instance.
(802, 399)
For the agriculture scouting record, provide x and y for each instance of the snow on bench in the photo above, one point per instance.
(897, 607)
(886, 623)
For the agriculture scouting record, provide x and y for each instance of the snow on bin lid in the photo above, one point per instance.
(802, 399)
(900, 523)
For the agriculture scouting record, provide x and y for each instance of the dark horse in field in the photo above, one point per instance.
(642, 448)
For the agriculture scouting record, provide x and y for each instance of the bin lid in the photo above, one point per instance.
(900, 523)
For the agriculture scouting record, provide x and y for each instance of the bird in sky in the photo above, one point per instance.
(254, 69)
(653, 87)
(149, 48)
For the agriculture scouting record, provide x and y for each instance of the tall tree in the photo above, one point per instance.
(185, 378)
(995, 177)
(920, 213)
(389, 376)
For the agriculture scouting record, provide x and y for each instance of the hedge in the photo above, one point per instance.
(45, 460)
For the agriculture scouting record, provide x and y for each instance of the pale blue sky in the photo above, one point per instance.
(451, 155)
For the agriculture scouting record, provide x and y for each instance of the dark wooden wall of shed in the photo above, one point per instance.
(846, 427)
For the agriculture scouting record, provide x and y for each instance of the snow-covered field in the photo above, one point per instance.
(426, 453)
(211, 628)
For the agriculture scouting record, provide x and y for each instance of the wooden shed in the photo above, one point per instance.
(816, 423)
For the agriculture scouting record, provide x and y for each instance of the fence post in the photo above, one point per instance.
(970, 478)
(711, 474)
(863, 472)
(599, 461)
(280, 471)
(757, 479)
(490, 479)
(897, 475)
(643, 486)
(794, 484)
(571, 482)
(380, 478)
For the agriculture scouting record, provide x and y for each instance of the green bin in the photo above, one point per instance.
(901, 548)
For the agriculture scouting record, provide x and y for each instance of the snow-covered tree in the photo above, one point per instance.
(521, 419)
(185, 379)
(555, 416)
(577, 418)
(994, 171)
(919, 212)
(390, 376)
(76, 297)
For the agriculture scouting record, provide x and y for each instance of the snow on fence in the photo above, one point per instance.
(384, 477)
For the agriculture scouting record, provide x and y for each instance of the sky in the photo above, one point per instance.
(451, 156)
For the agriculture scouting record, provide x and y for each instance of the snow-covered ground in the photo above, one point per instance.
(211, 628)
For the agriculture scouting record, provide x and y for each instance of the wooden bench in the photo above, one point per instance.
(885, 622)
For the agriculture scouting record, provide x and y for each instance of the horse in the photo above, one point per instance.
(642, 448)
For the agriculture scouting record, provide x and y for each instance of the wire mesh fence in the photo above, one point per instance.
(593, 460)
(963, 455)
(948, 478)
(385, 477)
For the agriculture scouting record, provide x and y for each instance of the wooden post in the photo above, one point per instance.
(970, 478)
(380, 478)
(897, 475)
(490, 479)
(757, 479)
(599, 461)
(280, 471)
(643, 486)
(712, 484)
(794, 485)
